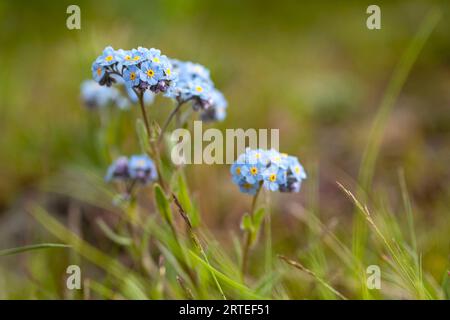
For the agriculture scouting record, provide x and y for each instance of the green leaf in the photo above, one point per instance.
(244, 291)
(155, 130)
(121, 240)
(110, 264)
(247, 223)
(132, 289)
(265, 285)
(142, 136)
(102, 290)
(32, 247)
(182, 193)
(258, 217)
(252, 224)
(173, 261)
(163, 204)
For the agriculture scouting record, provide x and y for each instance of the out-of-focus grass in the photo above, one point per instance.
(395, 85)
(312, 70)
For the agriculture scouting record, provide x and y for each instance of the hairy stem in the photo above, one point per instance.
(140, 95)
(169, 119)
(154, 148)
(196, 242)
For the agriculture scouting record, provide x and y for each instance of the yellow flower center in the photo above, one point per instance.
(258, 155)
(254, 170)
(198, 89)
(136, 58)
(155, 59)
(132, 75)
(247, 185)
(277, 159)
(128, 57)
(273, 177)
(168, 71)
(297, 169)
(238, 171)
(150, 73)
(140, 163)
(109, 58)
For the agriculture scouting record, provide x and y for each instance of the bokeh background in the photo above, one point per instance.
(311, 69)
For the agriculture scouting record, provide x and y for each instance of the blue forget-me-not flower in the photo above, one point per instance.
(138, 168)
(268, 169)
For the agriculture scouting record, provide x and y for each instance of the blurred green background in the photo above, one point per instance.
(311, 69)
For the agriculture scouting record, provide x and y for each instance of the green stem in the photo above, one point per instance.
(247, 242)
(169, 119)
(255, 199)
(154, 151)
(140, 95)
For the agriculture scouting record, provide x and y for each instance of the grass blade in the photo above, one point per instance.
(299, 266)
(398, 79)
(11, 251)
(242, 289)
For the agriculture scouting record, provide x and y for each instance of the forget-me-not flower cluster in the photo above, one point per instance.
(140, 68)
(139, 168)
(194, 84)
(95, 96)
(270, 169)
